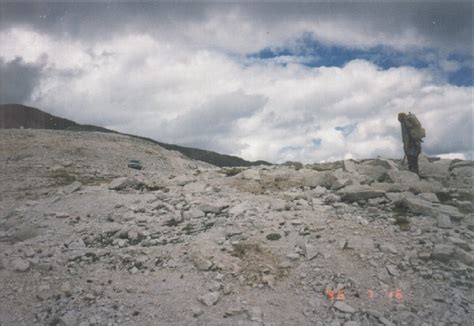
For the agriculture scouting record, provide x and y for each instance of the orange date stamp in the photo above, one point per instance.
(340, 295)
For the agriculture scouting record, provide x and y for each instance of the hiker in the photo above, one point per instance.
(412, 134)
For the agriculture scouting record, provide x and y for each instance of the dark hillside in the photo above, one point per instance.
(14, 116)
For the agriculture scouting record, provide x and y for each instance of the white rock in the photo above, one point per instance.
(255, 314)
(344, 307)
(192, 214)
(429, 196)
(444, 221)
(310, 251)
(392, 270)
(197, 311)
(20, 265)
(388, 247)
(73, 187)
(209, 299)
(201, 263)
(66, 288)
(215, 208)
(269, 280)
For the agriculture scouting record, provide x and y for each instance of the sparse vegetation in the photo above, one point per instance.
(63, 177)
(231, 171)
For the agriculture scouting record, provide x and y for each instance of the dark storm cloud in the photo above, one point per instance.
(91, 20)
(18, 80)
(447, 25)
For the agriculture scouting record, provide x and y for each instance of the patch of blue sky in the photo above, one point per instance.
(347, 129)
(462, 77)
(316, 142)
(313, 53)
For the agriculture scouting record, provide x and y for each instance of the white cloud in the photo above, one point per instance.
(255, 109)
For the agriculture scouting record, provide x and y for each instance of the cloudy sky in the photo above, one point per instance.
(275, 81)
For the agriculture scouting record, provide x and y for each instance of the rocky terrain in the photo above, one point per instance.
(85, 240)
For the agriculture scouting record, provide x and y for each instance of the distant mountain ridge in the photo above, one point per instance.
(15, 116)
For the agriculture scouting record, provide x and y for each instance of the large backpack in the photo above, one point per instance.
(414, 127)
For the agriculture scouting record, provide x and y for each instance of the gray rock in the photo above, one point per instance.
(293, 256)
(350, 166)
(70, 318)
(464, 256)
(388, 247)
(460, 243)
(192, 214)
(402, 177)
(442, 252)
(215, 208)
(392, 270)
(61, 215)
(464, 205)
(268, 280)
(197, 311)
(239, 209)
(344, 307)
(331, 199)
(429, 196)
(444, 221)
(255, 314)
(437, 169)
(29, 252)
(396, 196)
(234, 310)
(460, 164)
(342, 244)
(310, 251)
(420, 206)
(425, 186)
(73, 187)
(202, 263)
(359, 192)
(76, 245)
(20, 265)
(66, 288)
(273, 236)
(386, 164)
(386, 322)
(351, 323)
(209, 299)
(182, 180)
(250, 174)
(123, 183)
(278, 205)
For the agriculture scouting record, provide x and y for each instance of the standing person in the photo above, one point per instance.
(412, 136)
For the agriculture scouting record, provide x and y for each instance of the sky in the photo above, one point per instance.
(308, 82)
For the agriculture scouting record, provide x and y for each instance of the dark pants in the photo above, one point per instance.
(413, 163)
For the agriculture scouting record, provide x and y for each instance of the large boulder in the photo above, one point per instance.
(425, 186)
(385, 163)
(359, 192)
(349, 166)
(212, 207)
(402, 177)
(438, 169)
(420, 206)
(313, 179)
(373, 172)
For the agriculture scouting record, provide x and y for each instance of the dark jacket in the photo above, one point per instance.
(411, 146)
